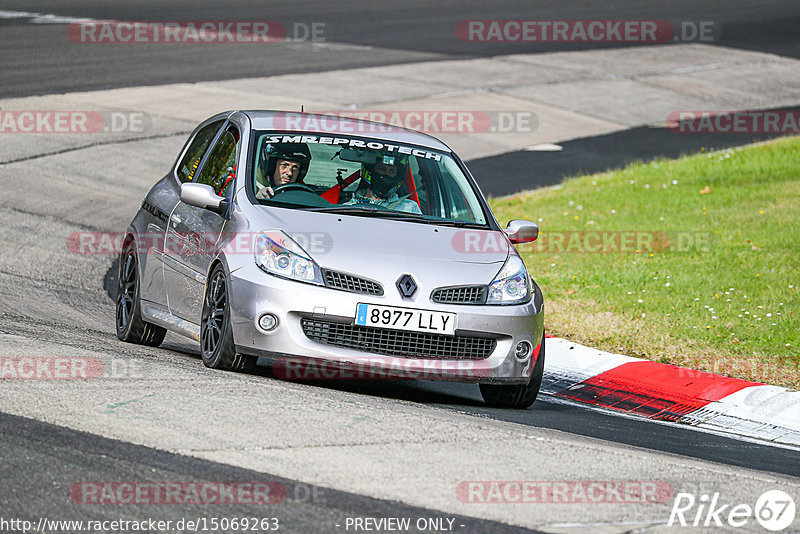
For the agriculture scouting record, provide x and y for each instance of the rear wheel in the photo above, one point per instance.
(216, 334)
(517, 395)
(131, 327)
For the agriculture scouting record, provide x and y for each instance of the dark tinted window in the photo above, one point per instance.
(197, 148)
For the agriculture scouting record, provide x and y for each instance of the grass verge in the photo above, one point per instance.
(691, 262)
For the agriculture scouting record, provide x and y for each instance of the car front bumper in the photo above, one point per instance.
(295, 355)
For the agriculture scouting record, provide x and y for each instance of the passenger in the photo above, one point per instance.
(380, 183)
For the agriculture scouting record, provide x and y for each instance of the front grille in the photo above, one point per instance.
(460, 295)
(353, 284)
(397, 342)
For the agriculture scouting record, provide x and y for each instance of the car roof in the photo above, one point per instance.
(290, 121)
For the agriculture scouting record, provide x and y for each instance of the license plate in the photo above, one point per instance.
(406, 319)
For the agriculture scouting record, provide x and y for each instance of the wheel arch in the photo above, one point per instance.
(218, 260)
(129, 238)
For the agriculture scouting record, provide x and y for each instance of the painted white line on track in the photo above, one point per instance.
(42, 18)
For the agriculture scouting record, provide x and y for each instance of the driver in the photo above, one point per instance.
(380, 182)
(281, 164)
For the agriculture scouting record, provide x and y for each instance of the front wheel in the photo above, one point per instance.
(131, 327)
(518, 395)
(216, 335)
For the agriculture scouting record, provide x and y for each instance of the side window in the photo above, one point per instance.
(197, 148)
(418, 183)
(453, 183)
(219, 169)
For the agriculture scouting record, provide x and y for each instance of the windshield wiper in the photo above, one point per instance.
(457, 224)
(346, 209)
(369, 211)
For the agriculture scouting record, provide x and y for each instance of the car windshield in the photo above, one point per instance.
(361, 176)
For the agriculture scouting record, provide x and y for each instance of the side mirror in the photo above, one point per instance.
(203, 196)
(519, 232)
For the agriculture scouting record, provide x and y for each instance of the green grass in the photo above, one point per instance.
(657, 303)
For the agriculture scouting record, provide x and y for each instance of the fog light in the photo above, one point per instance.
(267, 322)
(523, 350)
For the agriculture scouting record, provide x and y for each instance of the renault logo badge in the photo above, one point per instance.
(406, 285)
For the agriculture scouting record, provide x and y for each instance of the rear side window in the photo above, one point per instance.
(219, 170)
(197, 148)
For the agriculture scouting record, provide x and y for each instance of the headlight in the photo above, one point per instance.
(512, 285)
(278, 254)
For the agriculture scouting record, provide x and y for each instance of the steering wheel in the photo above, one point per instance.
(292, 187)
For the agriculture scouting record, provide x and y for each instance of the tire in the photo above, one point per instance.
(518, 395)
(131, 327)
(216, 335)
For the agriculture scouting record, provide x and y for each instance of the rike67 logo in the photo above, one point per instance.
(774, 510)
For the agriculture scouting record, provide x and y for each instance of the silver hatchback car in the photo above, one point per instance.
(333, 248)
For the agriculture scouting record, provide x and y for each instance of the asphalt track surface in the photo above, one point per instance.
(510, 173)
(552, 413)
(71, 456)
(37, 58)
(40, 461)
(40, 58)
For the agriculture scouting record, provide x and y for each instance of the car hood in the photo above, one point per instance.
(380, 248)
